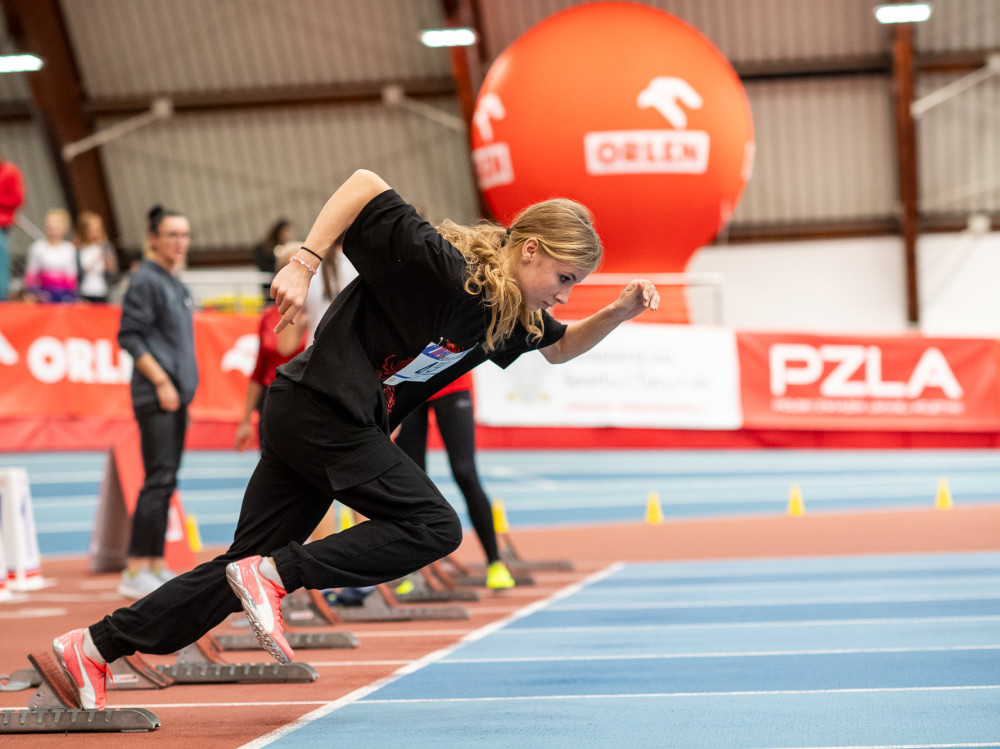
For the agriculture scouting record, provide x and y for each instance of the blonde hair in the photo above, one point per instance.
(565, 232)
(60, 213)
(83, 221)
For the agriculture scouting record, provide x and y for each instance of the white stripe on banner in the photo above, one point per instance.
(641, 375)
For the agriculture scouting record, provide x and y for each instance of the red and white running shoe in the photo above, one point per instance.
(89, 678)
(261, 599)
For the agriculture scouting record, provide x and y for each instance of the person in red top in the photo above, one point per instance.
(11, 199)
(453, 411)
(275, 349)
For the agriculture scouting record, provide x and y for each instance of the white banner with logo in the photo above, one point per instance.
(642, 375)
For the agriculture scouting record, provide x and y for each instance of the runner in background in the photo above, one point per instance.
(453, 410)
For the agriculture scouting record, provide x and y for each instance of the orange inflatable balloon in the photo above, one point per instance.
(628, 110)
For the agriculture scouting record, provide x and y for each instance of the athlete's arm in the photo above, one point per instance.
(584, 335)
(291, 284)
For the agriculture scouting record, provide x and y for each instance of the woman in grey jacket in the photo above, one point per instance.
(157, 330)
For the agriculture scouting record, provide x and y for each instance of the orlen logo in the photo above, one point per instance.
(493, 164)
(78, 360)
(802, 364)
(678, 151)
(242, 357)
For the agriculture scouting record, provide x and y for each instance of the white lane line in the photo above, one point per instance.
(437, 655)
(32, 613)
(751, 602)
(671, 695)
(734, 654)
(627, 586)
(885, 621)
(899, 746)
(326, 706)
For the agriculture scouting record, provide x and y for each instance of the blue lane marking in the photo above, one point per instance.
(743, 637)
(570, 675)
(794, 577)
(783, 612)
(446, 680)
(863, 719)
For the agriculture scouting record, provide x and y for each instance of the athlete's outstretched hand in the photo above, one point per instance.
(639, 295)
(288, 290)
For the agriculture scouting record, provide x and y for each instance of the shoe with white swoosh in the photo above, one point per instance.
(87, 676)
(261, 599)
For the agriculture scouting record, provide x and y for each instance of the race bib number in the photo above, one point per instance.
(433, 359)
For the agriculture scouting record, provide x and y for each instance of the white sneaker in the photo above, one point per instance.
(163, 574)
(139, 585)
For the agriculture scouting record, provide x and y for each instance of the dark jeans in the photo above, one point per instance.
(162, 436)
(311, 454)
(458, 432)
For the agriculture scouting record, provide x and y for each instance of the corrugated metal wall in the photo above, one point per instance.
(147, 47)
(825, 144)
(233, 173)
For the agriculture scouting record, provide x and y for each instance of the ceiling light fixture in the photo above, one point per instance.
(458, 37)
(20, 63)
(903, 12)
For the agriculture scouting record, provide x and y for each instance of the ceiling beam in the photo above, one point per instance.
(906, 160)
(38, 27)
(459, 14)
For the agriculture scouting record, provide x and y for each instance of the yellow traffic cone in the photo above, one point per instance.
(943, 500)
(346, 518)
(796, 507)
(193, 534)
(654, 512)
(500, 524)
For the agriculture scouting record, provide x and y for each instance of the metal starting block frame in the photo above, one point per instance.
(464, 575)
(200, 663)
(54, 708)
(435, 586)
(514, 561)
(296, 640)
(381, 606)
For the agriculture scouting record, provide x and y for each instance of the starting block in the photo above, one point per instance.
(200, 663)
(381, 606)
(431, 585)
(302, 607)
(464, 575)
(54, 708)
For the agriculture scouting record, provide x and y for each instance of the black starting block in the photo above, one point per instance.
(431, 587)
(381, 606)
(475, 575)
(200, 663)
(54, 708)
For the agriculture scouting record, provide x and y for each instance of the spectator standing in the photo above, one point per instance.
(11, 199)
(263, 252)
(157, 329)
(51, 271)
(97, 260)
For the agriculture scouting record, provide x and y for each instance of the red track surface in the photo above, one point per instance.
(227, 716)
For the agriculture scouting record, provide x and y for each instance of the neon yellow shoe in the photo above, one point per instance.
(498, 577)
(404, 587)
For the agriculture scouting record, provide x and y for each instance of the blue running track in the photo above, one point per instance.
(876, 652)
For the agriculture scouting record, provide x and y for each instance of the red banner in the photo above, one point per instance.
(791, 381)
(64, 361)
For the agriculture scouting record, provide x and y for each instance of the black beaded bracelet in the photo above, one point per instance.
(315, 255)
